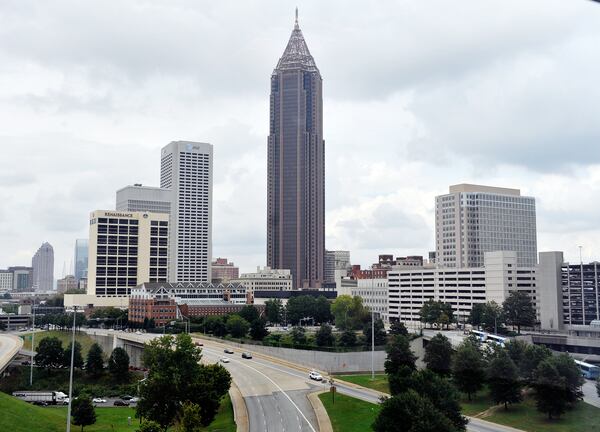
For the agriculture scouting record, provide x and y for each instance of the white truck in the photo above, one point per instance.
(41, 397)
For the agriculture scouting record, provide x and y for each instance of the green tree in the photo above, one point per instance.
(598, 386)
(324, 336)
(77, 357)
(118, 364)
(441, 393)
(550, 389)
(410, 412)
(258, 330)
(518, 310)
(476, 315)
(190, 419)
(94, 365)
(436, 312)
(348, 338)
(492, 317)
(468, 368)
(399, 354)
(398, 328)
(534, 355)
(249, 313)
(568, 369)
(298, 335)
(349, 312)
(176, 376)
(274, 310)
(83, 412)
(503, 380)
(49, 353)
(516, 351)
(149, 426)
(380, 334)
(300, 307)
(215, 325)
(438, 354)
(322, 313)
(237, 326)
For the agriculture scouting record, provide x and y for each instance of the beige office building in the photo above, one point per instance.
(126, 249)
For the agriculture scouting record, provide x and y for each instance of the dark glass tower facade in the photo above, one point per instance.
(296, 166)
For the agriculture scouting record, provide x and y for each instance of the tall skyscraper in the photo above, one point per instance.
(43, 268)
(186, 170)
(81, 258)
(143, 199)
(472, 219)
(296, 166)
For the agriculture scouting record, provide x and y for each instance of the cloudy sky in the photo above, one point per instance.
(418, 95)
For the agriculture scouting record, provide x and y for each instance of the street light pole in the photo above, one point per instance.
(372, 327)
(32, 345)
(71, 373)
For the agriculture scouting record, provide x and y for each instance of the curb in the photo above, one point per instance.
(240, 411)
(491, 425)
(320, 412)
(358, 386)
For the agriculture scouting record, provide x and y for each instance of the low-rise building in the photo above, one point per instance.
(409, 289)
(164, 302)
(374, 293)
(266, 279)
(69, 282)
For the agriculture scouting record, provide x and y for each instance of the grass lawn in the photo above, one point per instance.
(479, 403)
(65, 337)
(19, 416)
(380, 383)
(348, 414)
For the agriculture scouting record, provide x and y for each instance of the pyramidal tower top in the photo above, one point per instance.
(296, 54)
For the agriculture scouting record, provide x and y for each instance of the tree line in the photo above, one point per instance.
(428, 399)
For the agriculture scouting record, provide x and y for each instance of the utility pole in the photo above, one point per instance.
(32, 344)
(71, 373)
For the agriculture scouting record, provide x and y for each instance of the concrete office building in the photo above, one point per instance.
(6, 281)
(374, 293)
(569, 293)
(410, 288)
(125, 249)
(186, 171)
(140, 198)
(266, 279)
(224, 271)
(69, 282)
(43, 268)
(471, 220)
(336, 260)
(22, 278)
(81, 258)
(296, 167)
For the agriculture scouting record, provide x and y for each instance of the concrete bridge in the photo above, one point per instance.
(10, 345)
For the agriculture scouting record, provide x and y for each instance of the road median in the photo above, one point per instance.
(320, 412)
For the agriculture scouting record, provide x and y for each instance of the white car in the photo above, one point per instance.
(138, 332)
(99, 400)
(134, 399)
(314, 375)
(224, 360)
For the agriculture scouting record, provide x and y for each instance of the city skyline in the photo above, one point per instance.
(404, 151)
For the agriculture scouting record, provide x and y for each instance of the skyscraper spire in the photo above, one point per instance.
(296, 26)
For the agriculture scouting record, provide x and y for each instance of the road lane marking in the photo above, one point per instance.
(282, 391)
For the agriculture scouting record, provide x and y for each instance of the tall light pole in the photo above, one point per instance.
(372, 327)
(32, 344)
(71, 373)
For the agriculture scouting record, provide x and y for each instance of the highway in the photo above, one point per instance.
(9, 348)
(275, 392)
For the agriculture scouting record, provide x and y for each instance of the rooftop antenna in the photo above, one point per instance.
(296, 23)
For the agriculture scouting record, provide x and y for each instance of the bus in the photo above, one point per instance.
(482, 336)
(499, 340)
(589, 371)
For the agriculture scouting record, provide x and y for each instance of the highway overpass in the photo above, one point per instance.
(9, 348)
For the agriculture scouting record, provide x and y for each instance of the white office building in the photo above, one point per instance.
(43, 268)
(6, 281)
(374, 293)
(186, 171)
(409, 289)
(140, 198)
(266, 279)
(125, 249)
(471, 220)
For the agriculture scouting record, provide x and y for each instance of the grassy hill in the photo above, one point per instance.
(64, 336)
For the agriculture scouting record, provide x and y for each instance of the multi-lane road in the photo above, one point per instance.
(9, 348)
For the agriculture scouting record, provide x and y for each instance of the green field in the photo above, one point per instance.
(65, 337)
(348, 414)
(19, 416)
(380, 383)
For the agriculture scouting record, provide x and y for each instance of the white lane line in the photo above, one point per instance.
(282, 391)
